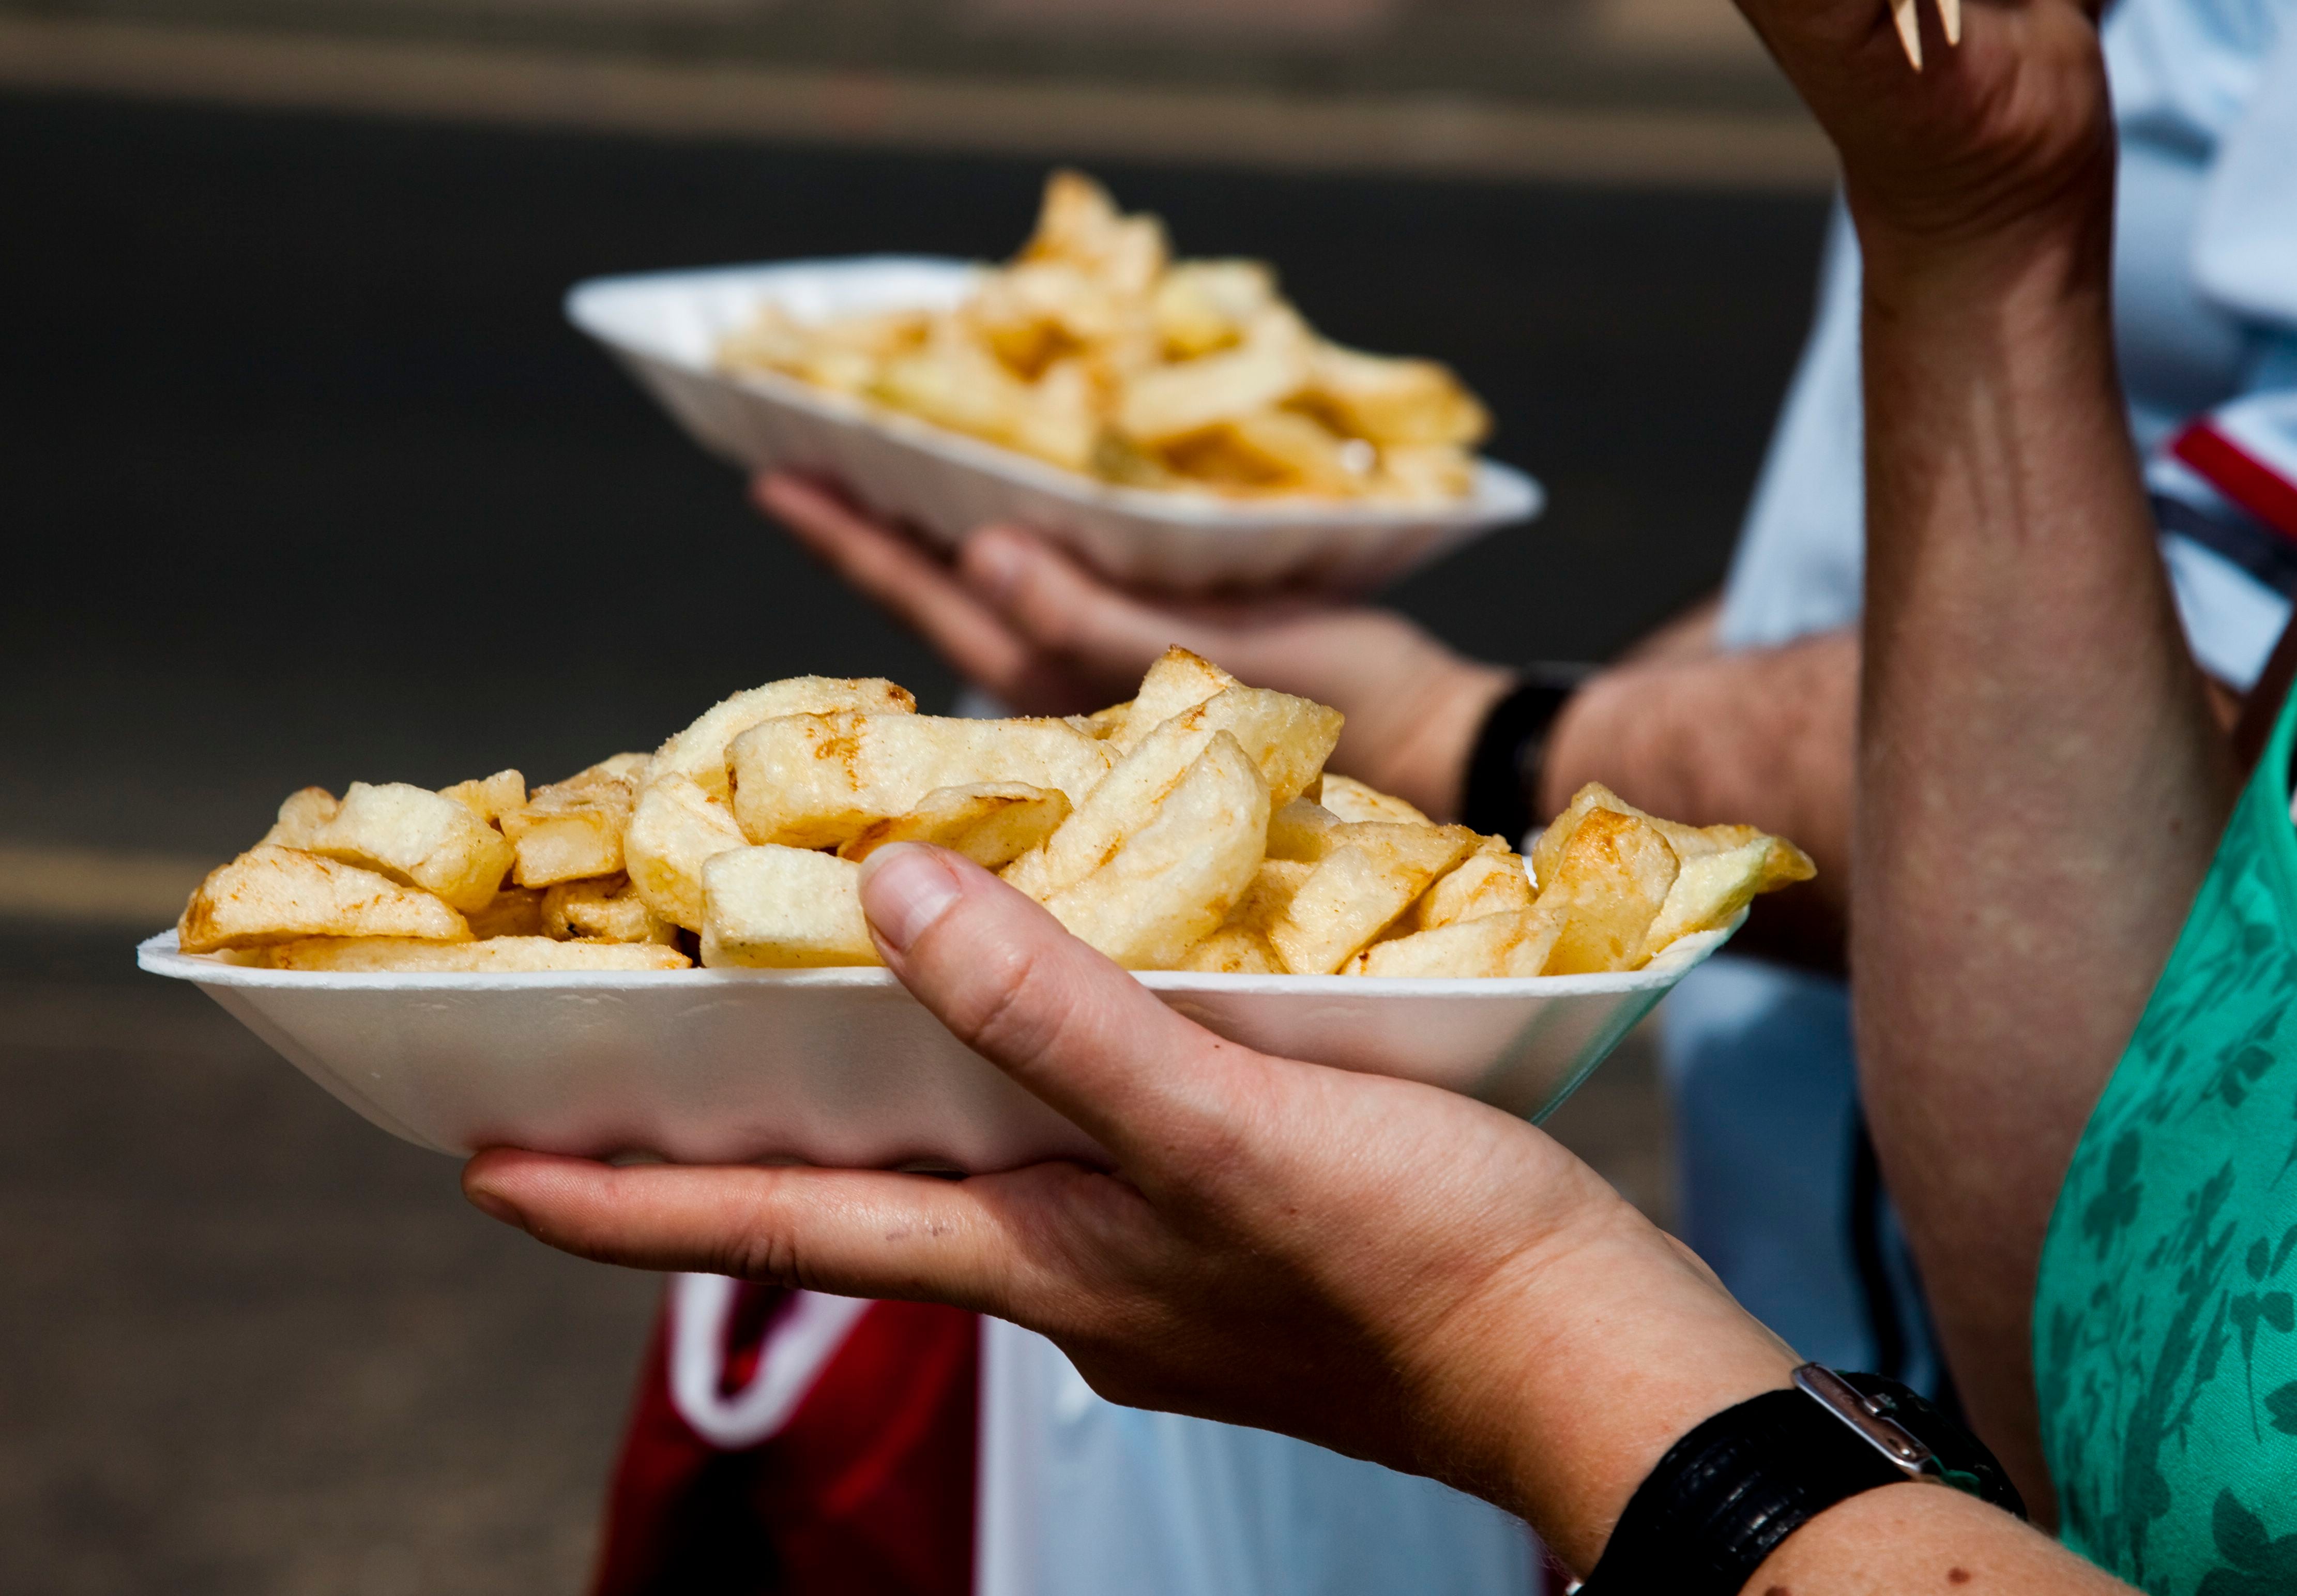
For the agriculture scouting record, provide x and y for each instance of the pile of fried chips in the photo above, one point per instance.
(1192, 828)
(1095, 351)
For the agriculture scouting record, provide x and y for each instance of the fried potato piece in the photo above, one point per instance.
(1168, 403)
(418, 838)
(1351, 800)
(1172, 880)
(515, 911)
(488, 796)
(1714, 887)
(776, 908)
(1080, 224)
(1287, 737)
(1490, 881)
(699, 753)
(1358, 888)
(571, 830)
(1393, 401)
(1491, 947)
(816, 781)
(676, 828)
(1201, 306)
(1613, 876)
(497, 956)
(272, 894)
(300, 817)
(1104, 725)
(992, 824)
(604, 911)
(1178, 681)
(1302, 829)
(1689, 842)
(1234, 950)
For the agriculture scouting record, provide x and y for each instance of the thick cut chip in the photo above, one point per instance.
(1609, 882)
(272, 894)
(1352, 800)
(1786, 865)
(675, 830)
(1493, 946)
(515, 911)
(1170, 403)
(1234, 950)
(629, 767)
(1201, 306)
(572, 830)
(1287, 737)
(1180, 680)
(1357, 889)
(699, 752)
(1104, 724)
(815, 781)
(1714, 887)
(488, 796)
(992, 824)
(300, 817)
(1393, 401)
(774, 908)
(1170, 881)
(1302, 829)
(497, 956)
(607, 911)
(1490, 881)
(420, 838)
(1080, 224)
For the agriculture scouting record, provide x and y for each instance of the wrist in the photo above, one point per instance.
(1429, 762)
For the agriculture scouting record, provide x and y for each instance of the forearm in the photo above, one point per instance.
(2040, 782)
(1762, 735)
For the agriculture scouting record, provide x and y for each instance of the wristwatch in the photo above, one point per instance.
(1726, 1495)
(1502, 778)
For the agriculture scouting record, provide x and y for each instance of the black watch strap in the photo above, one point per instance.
(1726, 1495)
(1503, 766)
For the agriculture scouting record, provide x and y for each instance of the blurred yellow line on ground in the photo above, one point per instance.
(90, 886)
(1429, 134)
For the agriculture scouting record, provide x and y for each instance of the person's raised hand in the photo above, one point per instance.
(1023, 621)
(1383, 1267)
(2012, 122)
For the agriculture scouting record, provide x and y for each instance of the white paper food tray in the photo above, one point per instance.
(665, 328)
(842, 1066)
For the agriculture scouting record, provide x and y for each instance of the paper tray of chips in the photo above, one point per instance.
(665, 327)
(842, 1066)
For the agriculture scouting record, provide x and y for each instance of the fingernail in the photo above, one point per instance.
(995, 566)
(494, 1207)
(905, 888)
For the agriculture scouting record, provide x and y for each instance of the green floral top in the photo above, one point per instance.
(2165, 1331)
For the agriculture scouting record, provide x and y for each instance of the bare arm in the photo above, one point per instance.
(2040, 780)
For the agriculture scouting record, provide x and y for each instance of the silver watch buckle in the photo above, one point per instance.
(1898, 1445)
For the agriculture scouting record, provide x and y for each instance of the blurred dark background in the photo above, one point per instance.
(304, 479)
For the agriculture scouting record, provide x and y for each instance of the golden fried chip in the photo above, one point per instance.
(515, 912)
(606, 911)
(1358, 888)
(1180, 680)
(1172, 880)
(498, 955)
(1516, 943)
(1351, 800)
(774, 908)
(699, 752)
(419, 838)
(1492, 880)
(1302, 829)
(1393, 401)
(992, 824)
(1233, 951)
(1171, 403)
(815, 781)
(676, 828)
(273, 895)
(1202, 305)
(488, 796)
(1613, 876)
(300, 817)
(572, 830)
(1714, 887)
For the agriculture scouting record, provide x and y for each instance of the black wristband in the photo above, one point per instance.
(1726, 1495)
(1503, 766)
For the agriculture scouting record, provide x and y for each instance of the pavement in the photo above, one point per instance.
(305, 480)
